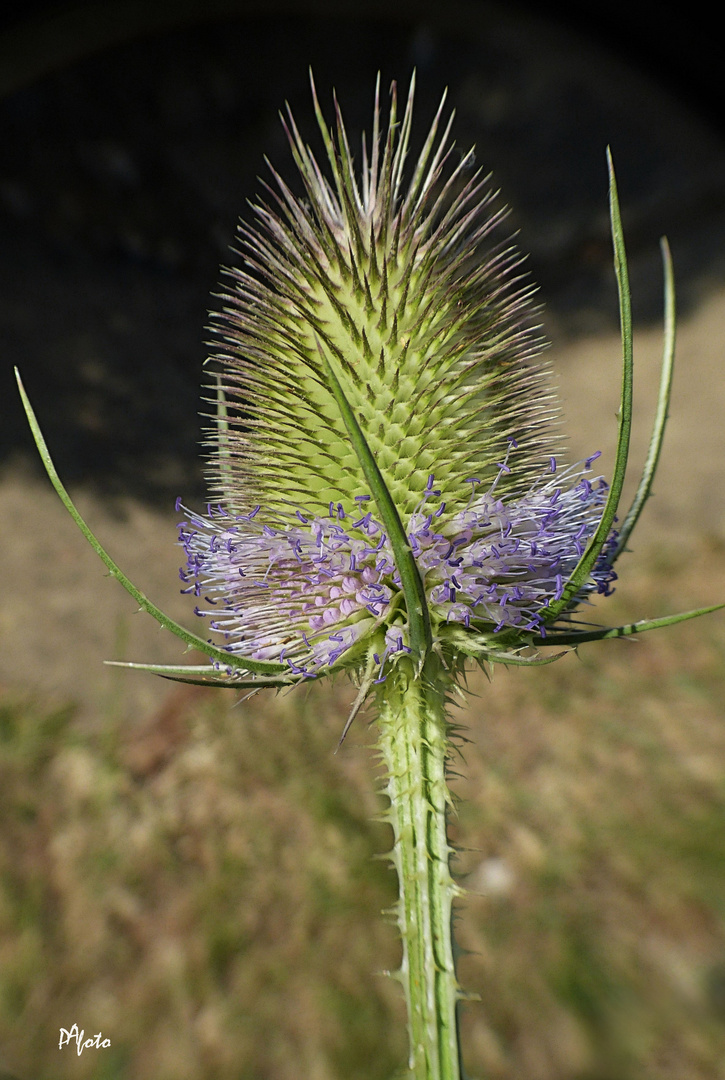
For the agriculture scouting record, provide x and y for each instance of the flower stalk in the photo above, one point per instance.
(414, 746)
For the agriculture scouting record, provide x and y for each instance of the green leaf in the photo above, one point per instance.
(212, 651)
(586, 563)
(479, 650)
(413, 590)
(580, 636)
(644, 489)
(512, 660)
(203, 675)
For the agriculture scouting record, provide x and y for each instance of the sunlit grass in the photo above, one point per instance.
(201, 886)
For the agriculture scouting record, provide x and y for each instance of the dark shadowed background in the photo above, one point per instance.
(132, 135)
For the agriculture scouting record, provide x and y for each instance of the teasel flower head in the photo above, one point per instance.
(384, 458)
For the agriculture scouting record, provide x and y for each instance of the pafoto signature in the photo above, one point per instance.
(81, 1042)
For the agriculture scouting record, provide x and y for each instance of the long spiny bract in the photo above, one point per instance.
(433, 346)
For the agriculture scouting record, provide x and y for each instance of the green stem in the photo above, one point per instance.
(414, 745)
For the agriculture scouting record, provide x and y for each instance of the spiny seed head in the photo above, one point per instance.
(383, 405)
(430, 336)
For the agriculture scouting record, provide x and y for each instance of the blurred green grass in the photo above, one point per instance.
(202, 887)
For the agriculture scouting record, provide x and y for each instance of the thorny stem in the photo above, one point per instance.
(413, 741)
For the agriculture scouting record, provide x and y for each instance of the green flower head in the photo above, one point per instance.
(384, 463)
(387, 481)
